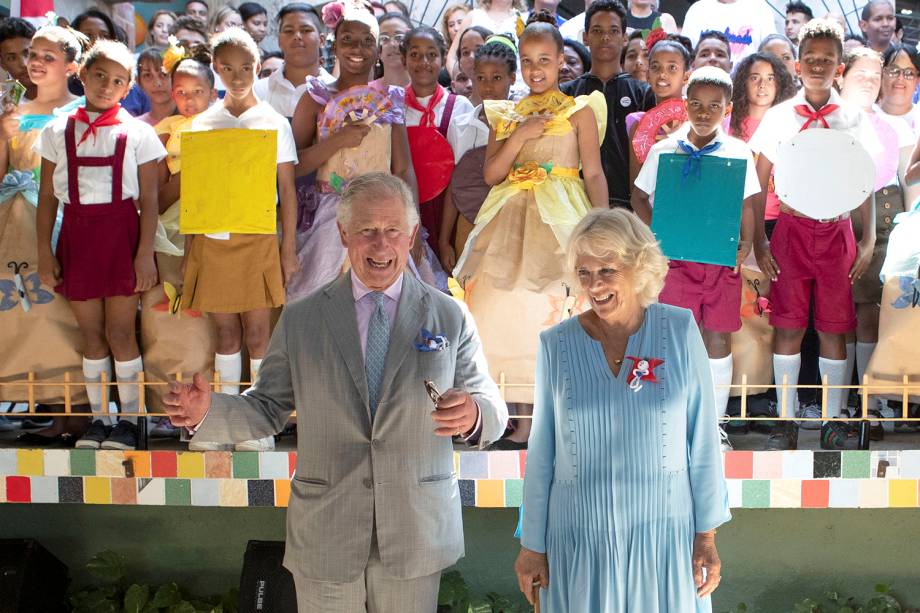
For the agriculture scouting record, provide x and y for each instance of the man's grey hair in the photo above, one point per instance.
(376, 186)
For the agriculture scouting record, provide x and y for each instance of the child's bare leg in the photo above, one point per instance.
(866, 336)
(90, 316)
(228, 361)
(787, 360)
(121, 332)
(256, 334)
(719, 348)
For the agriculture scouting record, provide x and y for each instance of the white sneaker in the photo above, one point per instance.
(813, 411)
(203, 446)
(725, 444)
(886, 411)
(262, 444)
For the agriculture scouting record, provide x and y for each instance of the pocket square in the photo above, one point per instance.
(431, 342)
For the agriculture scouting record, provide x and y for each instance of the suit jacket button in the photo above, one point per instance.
(368, 483)
(375, 443)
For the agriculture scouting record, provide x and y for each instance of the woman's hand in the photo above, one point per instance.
(49, 270)
(448, 257)
(290, 264)
(531, 568)
(706, 556)
(145, 271)
(531, 128)
(351, 135)
(9, 122)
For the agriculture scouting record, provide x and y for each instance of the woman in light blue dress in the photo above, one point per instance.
(623, 487)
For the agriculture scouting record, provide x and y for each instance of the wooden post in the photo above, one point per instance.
(783, 387)
(904, 396)
(216, 381)
(104, 384)
(501, 384)
(744, 394)
(824, 398)
(67, 402)
(31, 393)
(141, 401)
(865, 397)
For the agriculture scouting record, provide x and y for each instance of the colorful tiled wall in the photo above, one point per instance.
(756, 479)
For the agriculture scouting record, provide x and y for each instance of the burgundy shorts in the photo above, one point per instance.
(712, 292)
(814, 260)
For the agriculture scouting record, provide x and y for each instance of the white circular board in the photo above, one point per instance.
(823, 173)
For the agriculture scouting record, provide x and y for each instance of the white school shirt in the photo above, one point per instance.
(283, 95)
(95, 183)
(744, 22)
(781, 123)
(731, 148)
(462, 106)
(467, 132)
(260, 117)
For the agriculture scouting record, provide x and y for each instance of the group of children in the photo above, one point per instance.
(501, 178)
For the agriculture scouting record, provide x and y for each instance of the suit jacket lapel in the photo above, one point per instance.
(410, 316)
(340, 315)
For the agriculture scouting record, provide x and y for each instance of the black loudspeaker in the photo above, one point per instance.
(31, 578)
(265, 585)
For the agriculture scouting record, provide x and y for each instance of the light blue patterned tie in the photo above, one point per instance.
(375, 353)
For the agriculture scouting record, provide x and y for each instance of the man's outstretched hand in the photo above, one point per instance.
(188, 403)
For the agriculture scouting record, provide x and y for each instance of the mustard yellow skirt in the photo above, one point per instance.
(233, 276)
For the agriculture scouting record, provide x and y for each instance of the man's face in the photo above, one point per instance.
(190, 38)
(794, 23)
(378, 238)
(604, 37)
(713, 52)
(879, 28)
(197, 10)
(14, 52)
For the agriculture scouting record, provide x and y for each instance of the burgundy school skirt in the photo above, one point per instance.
(96, 250)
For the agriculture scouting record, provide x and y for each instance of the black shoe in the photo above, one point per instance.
(94, 436)
(837, 436)
(507, 445)
(737, 426)
(30, 439)
(785, 436)
(123, 436)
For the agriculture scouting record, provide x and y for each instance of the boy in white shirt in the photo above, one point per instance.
(710, 291)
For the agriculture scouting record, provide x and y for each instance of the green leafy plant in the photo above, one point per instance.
(455, 597)
(116, 595)
(881, 601)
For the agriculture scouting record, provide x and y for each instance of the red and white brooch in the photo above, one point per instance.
(643, 370)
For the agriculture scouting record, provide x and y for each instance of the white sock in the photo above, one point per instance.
(863, 355)
(92, 373)
(254, 366)
(230, 367)
(834, 371)
(788, 365)
(126, 373)
(721, 375)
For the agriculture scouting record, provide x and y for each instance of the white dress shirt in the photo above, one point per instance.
(95, 182)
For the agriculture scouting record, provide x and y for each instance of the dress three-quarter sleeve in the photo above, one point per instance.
(541, 451)
(707, 482)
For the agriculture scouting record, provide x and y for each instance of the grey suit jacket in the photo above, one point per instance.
(352, 472)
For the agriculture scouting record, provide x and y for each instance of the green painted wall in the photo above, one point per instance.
(771, 557)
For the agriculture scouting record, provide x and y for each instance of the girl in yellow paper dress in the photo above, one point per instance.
(513, 265)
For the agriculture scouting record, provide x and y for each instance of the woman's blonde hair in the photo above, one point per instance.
(148, 40)
(517, 5)
(218, 16)
(446, 15)
(620, 236)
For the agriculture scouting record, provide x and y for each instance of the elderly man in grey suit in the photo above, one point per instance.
(374, 513)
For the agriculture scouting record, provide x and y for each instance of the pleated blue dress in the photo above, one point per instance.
(618, 481)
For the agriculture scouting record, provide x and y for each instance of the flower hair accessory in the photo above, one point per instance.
(173, 54)
(643, 370)
(350, 10)
(56, 21)
(656, 35)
